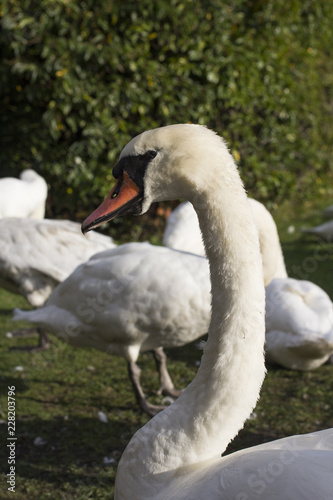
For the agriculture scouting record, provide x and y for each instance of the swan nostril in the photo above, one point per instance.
(116, 189)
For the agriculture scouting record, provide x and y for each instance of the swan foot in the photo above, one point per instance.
(166, 385)
(43, 344)
(150, 409)
(134, 375)
(173, 393)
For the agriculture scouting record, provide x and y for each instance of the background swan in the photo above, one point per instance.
(161, 306)
(36, 255)
(24, 197)
(134, 298)
(324, 231)
(299, 324)
(183, 233)
(299, 315)
(140, 297)
(177, 454)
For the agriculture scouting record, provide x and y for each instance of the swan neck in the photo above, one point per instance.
(199, 425)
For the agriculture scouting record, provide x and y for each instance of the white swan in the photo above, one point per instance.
(36, 255)
(134, 298)
(324, 231)
(24, 197)
(299, 324)
(182, 232)
(115, 304)
(299, 314)
(177, 454)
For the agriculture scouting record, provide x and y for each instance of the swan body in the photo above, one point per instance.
(182, 230)
(36, 255)
(23, 197)
(177, 454)
(270, 470)
(299, 324)
(183, 233)
(324, 231)
(130, 299)
(139, 297)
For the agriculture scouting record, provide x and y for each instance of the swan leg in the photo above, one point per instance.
(43, 343)
(166, 384)
(134, 375)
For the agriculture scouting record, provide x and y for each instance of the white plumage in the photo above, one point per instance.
(299, 316)
(36, 255)
(292, 468)
(182, 232)
(177, 454)
(299, 324)
(133, 298)
(24, 197)
(136, 290)
(139, 297)
(324, 231)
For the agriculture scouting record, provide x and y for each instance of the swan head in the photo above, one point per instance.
(30, 175)
(158, 165)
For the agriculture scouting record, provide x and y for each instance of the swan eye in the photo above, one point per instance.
(150, 154)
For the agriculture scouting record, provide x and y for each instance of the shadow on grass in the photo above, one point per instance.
(6, 312)
(20, 384)
(72, 449)
(190, 353)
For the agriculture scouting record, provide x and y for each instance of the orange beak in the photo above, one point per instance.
(123, 197)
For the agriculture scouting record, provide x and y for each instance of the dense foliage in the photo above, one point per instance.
(79, 79)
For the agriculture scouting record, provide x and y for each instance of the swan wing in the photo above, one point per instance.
(299, 324)
(38, 254)
(134, 294)
(290, 468)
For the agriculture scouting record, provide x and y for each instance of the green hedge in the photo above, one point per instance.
(79, 79)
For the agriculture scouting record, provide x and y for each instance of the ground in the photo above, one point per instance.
(60, 392)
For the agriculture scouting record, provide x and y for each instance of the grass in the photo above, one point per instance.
(59, 393)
